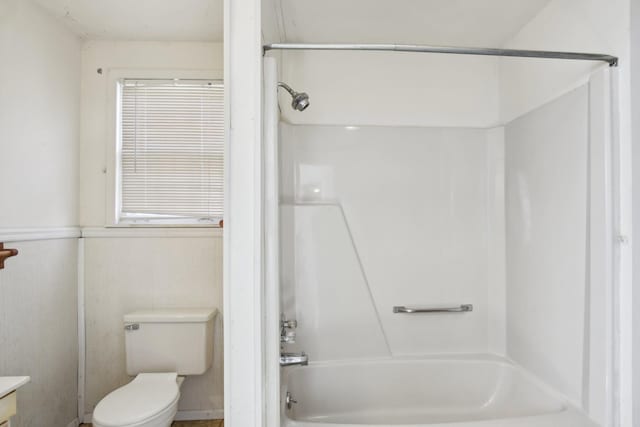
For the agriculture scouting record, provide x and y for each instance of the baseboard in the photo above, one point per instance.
(211, 414)
(74, 423)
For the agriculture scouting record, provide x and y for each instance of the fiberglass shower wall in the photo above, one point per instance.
(386, 216)
(410, 189)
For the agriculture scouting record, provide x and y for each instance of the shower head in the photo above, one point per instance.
(300, 100)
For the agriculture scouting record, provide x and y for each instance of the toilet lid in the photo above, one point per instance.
(143, 398)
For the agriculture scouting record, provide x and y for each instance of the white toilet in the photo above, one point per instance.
(160, 345)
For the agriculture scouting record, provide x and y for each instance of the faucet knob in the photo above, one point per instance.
(289, 324)
(288, 336)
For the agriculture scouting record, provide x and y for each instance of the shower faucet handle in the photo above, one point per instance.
(287, 336)
(287, 333)
(288, 324)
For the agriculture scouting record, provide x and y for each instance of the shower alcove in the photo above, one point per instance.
(431, 180)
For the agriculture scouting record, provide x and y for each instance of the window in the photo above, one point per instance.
(171, 151)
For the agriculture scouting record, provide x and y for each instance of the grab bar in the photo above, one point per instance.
(410, 310)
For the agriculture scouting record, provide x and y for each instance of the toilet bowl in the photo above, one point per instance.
(150, 400)
(160, 344)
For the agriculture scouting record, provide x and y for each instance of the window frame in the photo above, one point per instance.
(113, 169)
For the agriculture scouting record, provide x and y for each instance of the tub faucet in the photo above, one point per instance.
(290, 359)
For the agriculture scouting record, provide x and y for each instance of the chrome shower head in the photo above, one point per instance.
(300, 100)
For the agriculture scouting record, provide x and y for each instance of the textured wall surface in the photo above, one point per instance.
(128, 274)
(39, 122)
(39, 330)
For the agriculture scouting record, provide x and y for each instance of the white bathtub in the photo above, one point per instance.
(455, 391)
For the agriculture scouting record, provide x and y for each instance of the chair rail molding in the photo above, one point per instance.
(38, 233)
(149, 232)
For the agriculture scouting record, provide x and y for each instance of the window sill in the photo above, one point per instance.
(142, 224)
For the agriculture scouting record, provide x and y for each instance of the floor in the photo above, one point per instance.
(209, 423)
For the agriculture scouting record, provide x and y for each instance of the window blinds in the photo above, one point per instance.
(172, 149)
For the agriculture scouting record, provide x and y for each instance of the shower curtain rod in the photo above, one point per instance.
(517, 53)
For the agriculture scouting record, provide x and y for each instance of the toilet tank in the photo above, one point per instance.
(169, 340)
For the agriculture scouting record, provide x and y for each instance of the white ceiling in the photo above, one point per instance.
(175, 20)
(488, 23)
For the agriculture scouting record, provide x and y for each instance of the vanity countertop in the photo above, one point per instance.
(11, 384)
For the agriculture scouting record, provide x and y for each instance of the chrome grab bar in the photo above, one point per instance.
(410, 310)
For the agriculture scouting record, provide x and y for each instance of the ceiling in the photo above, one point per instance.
(488, 23)
(174, 20)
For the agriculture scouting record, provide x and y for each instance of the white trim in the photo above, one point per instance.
(271, 246)
(38, 233)
(633, 324)
(81, 331)
(106, 232)
(598, 361)
(623, 293)
(244, 378)
(74, 423)
(210, 414)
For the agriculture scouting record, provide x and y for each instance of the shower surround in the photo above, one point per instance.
(373, 217)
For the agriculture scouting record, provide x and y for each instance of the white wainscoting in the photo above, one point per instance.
(132, 269)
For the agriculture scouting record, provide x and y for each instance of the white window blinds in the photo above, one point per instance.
(172, 149)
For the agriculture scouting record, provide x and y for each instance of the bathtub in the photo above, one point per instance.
(452, 391)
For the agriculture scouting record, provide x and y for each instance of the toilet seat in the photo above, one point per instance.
(148, 399)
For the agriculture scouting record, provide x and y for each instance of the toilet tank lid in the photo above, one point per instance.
(171, 315)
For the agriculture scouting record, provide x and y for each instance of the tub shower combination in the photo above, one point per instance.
(480, 390)
(371, 386)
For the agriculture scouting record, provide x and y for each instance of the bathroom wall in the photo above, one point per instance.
(374, 217)
(394, 89)
(546, 212)
(39, 119)
(39, 333)
(272, 28)
(127, 268)
(446, 90)
(124, 274)
(95, 125)
(599, 26)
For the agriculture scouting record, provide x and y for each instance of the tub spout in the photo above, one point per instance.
(289, 359)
